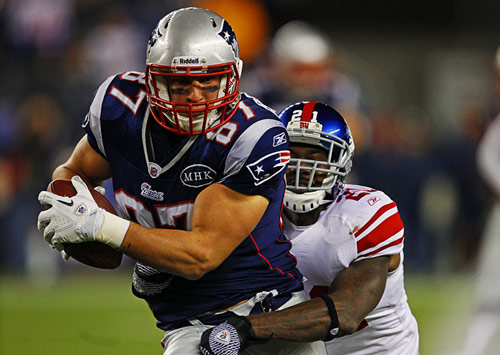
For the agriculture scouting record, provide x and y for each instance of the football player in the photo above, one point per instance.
(198, 174)
(348, 240)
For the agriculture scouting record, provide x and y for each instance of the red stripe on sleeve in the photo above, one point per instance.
(385, 230)
(376, 216)
(396, 242)
(307, 111)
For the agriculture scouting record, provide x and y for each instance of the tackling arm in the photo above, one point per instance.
(355, 291)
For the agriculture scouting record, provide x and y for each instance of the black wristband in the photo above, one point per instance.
(334, 326)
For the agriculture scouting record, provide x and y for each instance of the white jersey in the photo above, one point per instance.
(488, 156)
(361, 223)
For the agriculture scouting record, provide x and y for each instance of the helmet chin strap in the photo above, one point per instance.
(305, 202)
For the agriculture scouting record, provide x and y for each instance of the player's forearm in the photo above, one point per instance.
(174, 251)
(64, 172)
(308, 321)
(355, 292)
(86, 163)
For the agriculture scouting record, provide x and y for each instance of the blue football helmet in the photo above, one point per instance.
(315, 124)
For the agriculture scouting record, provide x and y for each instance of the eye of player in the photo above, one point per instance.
(182, 85)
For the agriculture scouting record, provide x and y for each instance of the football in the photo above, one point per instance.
(94, 254)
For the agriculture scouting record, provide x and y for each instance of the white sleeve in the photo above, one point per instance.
(488, 156)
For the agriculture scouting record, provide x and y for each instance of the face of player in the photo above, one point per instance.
(192, 90)
(306, 153)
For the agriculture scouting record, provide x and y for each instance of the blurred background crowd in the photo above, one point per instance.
(416, 84)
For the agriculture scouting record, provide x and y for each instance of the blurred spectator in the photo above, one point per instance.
(113, 45)
(397, 163)
(454, 156)
(41, 26)
(35, 35)
(301, 63)
(40, 138)
(8, 128)
(107, 44)
(482, 334)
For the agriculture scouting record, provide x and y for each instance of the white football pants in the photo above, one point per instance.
(186, 340)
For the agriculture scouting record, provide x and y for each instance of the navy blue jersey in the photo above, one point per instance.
(157, 176)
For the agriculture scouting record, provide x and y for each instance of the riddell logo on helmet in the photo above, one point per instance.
(188, 61)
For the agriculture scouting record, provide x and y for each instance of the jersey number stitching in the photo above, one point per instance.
(176, 216)
(132, 105)
(133, 76)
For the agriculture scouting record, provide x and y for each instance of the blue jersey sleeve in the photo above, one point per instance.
(110, 104)
(266, 155)
(92, 122)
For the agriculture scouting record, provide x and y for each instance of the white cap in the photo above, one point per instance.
(299, 42)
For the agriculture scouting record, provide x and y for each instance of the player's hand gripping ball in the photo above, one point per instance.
(72, 207)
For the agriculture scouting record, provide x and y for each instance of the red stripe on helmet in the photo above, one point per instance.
(307, 111)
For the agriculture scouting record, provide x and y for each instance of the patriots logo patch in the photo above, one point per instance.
(155, 35)
(228, 35)
(267, 167)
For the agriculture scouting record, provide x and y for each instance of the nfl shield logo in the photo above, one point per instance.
(223, 337)
(154, 170)
(82, 209)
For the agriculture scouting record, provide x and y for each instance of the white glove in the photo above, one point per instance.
(78, 219)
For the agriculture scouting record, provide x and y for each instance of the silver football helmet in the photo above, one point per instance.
(193, 44)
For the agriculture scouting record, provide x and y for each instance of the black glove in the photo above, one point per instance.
(227, 338)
